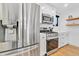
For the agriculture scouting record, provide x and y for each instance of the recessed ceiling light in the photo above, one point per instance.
(66, 5)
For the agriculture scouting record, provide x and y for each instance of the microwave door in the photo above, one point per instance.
(46, 19)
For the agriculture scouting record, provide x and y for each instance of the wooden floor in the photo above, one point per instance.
(67, 50)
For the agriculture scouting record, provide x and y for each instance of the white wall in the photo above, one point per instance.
(72, 30)
(74, 33)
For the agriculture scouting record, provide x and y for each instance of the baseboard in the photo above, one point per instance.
(74, 45)
(64, 45)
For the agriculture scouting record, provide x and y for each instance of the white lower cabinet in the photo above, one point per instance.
(42, 44)
(63, 39)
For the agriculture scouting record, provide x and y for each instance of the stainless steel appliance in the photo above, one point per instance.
(46, 18)
(52, 42)
(27, 33)
(2, 32)
(51, 39)
(31, 25)
(10, 16)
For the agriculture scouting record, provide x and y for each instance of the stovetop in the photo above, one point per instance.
(47, 31)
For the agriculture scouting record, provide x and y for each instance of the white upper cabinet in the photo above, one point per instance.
(10, 13)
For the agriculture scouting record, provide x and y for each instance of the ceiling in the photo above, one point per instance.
(60, 6)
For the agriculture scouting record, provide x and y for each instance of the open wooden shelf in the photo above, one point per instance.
(72, 24)
(72, 18)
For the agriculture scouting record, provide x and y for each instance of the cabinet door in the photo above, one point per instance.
(63, 39)
(42, 44)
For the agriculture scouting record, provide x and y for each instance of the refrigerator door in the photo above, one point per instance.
(5, 13)
(10, 16)
(31, 24)
(28, 16)
(10, 13)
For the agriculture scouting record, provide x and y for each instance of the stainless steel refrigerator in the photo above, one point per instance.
(27, 33)
(31, 25)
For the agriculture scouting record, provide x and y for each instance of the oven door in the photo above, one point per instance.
(52, 44)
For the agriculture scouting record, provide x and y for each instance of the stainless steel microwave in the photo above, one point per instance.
(47, 19)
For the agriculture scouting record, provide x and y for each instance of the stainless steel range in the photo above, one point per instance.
(52, 42)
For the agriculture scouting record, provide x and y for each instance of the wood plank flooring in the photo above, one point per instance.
(67, 50)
